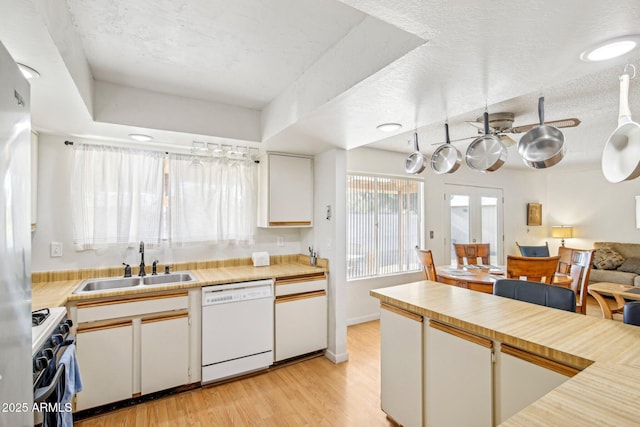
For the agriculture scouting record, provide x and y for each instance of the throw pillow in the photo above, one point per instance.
(630, 265)
(607, 259)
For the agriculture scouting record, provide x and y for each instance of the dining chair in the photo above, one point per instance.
(577, 264)
(536, 293)
(534, 269)
(534, 251)
(469, 253)
(428, 267)
(631, 313)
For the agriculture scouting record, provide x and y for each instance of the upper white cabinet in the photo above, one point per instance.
(34, 179)
(285, 197)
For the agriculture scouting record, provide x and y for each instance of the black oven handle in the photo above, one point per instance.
(41, 394)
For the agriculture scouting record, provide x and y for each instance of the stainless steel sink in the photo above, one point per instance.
(105, 284)
(181, 277)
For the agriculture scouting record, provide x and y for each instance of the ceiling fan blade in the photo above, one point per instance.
(564, 123)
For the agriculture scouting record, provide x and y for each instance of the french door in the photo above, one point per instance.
(474, 215)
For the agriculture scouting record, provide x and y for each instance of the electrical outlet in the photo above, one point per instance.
(280, 241)
(56, 249)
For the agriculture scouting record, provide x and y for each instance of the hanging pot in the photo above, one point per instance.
(621, 155)
(542, 146)
(486, 153)
(446, 158)
(415, 163)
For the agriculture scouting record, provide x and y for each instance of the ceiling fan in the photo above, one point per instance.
(501, 124)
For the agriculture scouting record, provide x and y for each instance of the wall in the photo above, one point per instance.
(598, 210)
(328, 237)
(54, 224)
(519, 188)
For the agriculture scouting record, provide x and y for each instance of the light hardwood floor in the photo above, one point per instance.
(314, 392)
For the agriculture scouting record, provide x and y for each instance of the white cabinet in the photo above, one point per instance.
(132, 346)
(522, 378)
(105, 357)
(285, 197)
(300, 316)
(401, 363)
(164, 352)
(458, 377)
(34, 179)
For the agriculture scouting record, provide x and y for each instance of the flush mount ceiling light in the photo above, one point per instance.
(609, 49)
(28, 72)
(389, 127)
(140, 137)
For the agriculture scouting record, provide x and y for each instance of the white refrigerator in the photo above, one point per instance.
(16, 376)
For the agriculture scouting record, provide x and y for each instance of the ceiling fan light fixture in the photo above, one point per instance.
(610, 49)
(389, 127)
(140, 137)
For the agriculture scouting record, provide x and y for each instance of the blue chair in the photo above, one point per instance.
(535, 251)
(536, 293)
(631, 313)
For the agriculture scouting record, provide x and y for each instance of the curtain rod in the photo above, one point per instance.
(183, 149)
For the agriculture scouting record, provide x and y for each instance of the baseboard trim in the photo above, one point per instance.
(363, 319)
(337, 358)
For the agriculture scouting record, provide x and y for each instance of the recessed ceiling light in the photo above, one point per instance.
(389, 127)
(28, 72)
(610, 49)
(140, 137)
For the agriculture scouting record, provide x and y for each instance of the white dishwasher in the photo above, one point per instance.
(237, 329)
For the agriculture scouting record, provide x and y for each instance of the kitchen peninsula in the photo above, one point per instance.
(510, 362)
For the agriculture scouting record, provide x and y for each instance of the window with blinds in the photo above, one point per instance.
(384, 225)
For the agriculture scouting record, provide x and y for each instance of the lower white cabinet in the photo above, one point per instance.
(300, 316)
(458, 377)
(105, 357)
(401, 365)
(522, 378)
(164, 361)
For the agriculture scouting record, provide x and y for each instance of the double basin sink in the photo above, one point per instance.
(109, 283)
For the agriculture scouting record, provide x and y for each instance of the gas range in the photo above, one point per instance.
(45, 323)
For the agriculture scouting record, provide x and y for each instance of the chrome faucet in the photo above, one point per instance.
(142, 272)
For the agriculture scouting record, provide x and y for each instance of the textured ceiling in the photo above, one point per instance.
(308, 75)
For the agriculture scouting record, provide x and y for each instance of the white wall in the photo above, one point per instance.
(328, 237)
(598, 210)
(54, 224)
(519, 188)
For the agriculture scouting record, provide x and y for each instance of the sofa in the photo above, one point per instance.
(616, 262)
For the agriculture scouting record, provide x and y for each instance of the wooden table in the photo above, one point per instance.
(482, 280)
(618, 291)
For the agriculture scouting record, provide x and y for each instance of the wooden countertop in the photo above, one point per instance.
(58, 293)
(606, 392)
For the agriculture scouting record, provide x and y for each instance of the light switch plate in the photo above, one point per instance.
(56, 249)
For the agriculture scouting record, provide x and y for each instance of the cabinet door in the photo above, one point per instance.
(522, 378)
(105, 358)
(459, 377)
(401, 365)
(164, 352)
(290, 190)
(301, 324)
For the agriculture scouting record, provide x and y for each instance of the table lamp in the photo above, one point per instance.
(562, 232)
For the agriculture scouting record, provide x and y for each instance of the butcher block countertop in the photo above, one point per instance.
(606, 392)
(55, 290)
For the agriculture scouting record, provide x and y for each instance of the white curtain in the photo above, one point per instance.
(116, 196)
(211, 200)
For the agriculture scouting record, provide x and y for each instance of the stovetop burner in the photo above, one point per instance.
(39, 316)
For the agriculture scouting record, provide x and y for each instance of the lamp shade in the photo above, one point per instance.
(562, 231)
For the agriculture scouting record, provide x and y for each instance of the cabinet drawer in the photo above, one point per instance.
(115, 308)
(290, 287)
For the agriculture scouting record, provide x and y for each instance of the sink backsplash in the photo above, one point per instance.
(54, 276)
